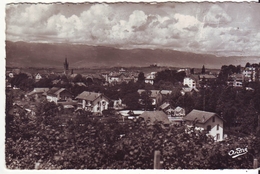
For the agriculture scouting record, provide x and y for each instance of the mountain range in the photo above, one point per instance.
(50, 55)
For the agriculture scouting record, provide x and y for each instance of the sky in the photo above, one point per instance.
(222, 29)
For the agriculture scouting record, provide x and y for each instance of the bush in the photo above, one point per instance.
(91, 143)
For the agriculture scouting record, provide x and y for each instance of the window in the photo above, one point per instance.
(218, 127)
(218, 136)
(208, 128)
(213, 119)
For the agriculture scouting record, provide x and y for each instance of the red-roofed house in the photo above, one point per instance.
(91, 101)
(208, 121)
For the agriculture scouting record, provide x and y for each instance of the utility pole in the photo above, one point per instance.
(204, 99)
(258, 123)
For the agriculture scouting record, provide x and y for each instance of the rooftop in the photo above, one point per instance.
(207, 76)
(200, 116)
(164, 105)
(55, 91)
(154, 116)
(89, 96)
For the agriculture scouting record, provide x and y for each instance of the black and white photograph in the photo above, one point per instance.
(132, 85)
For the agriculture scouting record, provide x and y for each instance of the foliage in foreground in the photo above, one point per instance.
(50, 142)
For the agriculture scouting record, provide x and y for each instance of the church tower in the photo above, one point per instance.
(66, 67)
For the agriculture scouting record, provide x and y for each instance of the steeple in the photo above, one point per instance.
(66, 66)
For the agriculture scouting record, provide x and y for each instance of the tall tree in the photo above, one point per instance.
(238, 69)
(141, 77)
(78, 78)
(19, 79)
(248, 64)
(250, 120)
(131, 100)
(192, 71)
(146, 99)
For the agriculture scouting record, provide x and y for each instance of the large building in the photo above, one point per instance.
(192, 81)
(251, 74)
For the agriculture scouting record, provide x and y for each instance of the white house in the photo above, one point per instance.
(189, 82)
(117, 103)
(93, 102)
(192, 81)
(150, 78)
(208, 121)
(38, 77)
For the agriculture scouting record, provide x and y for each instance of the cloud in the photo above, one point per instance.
(216, 17)
(210, 29)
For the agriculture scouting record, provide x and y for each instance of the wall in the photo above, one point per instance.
(98, 103)
(214, 130)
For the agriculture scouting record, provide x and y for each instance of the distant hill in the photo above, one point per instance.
(22, 54)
